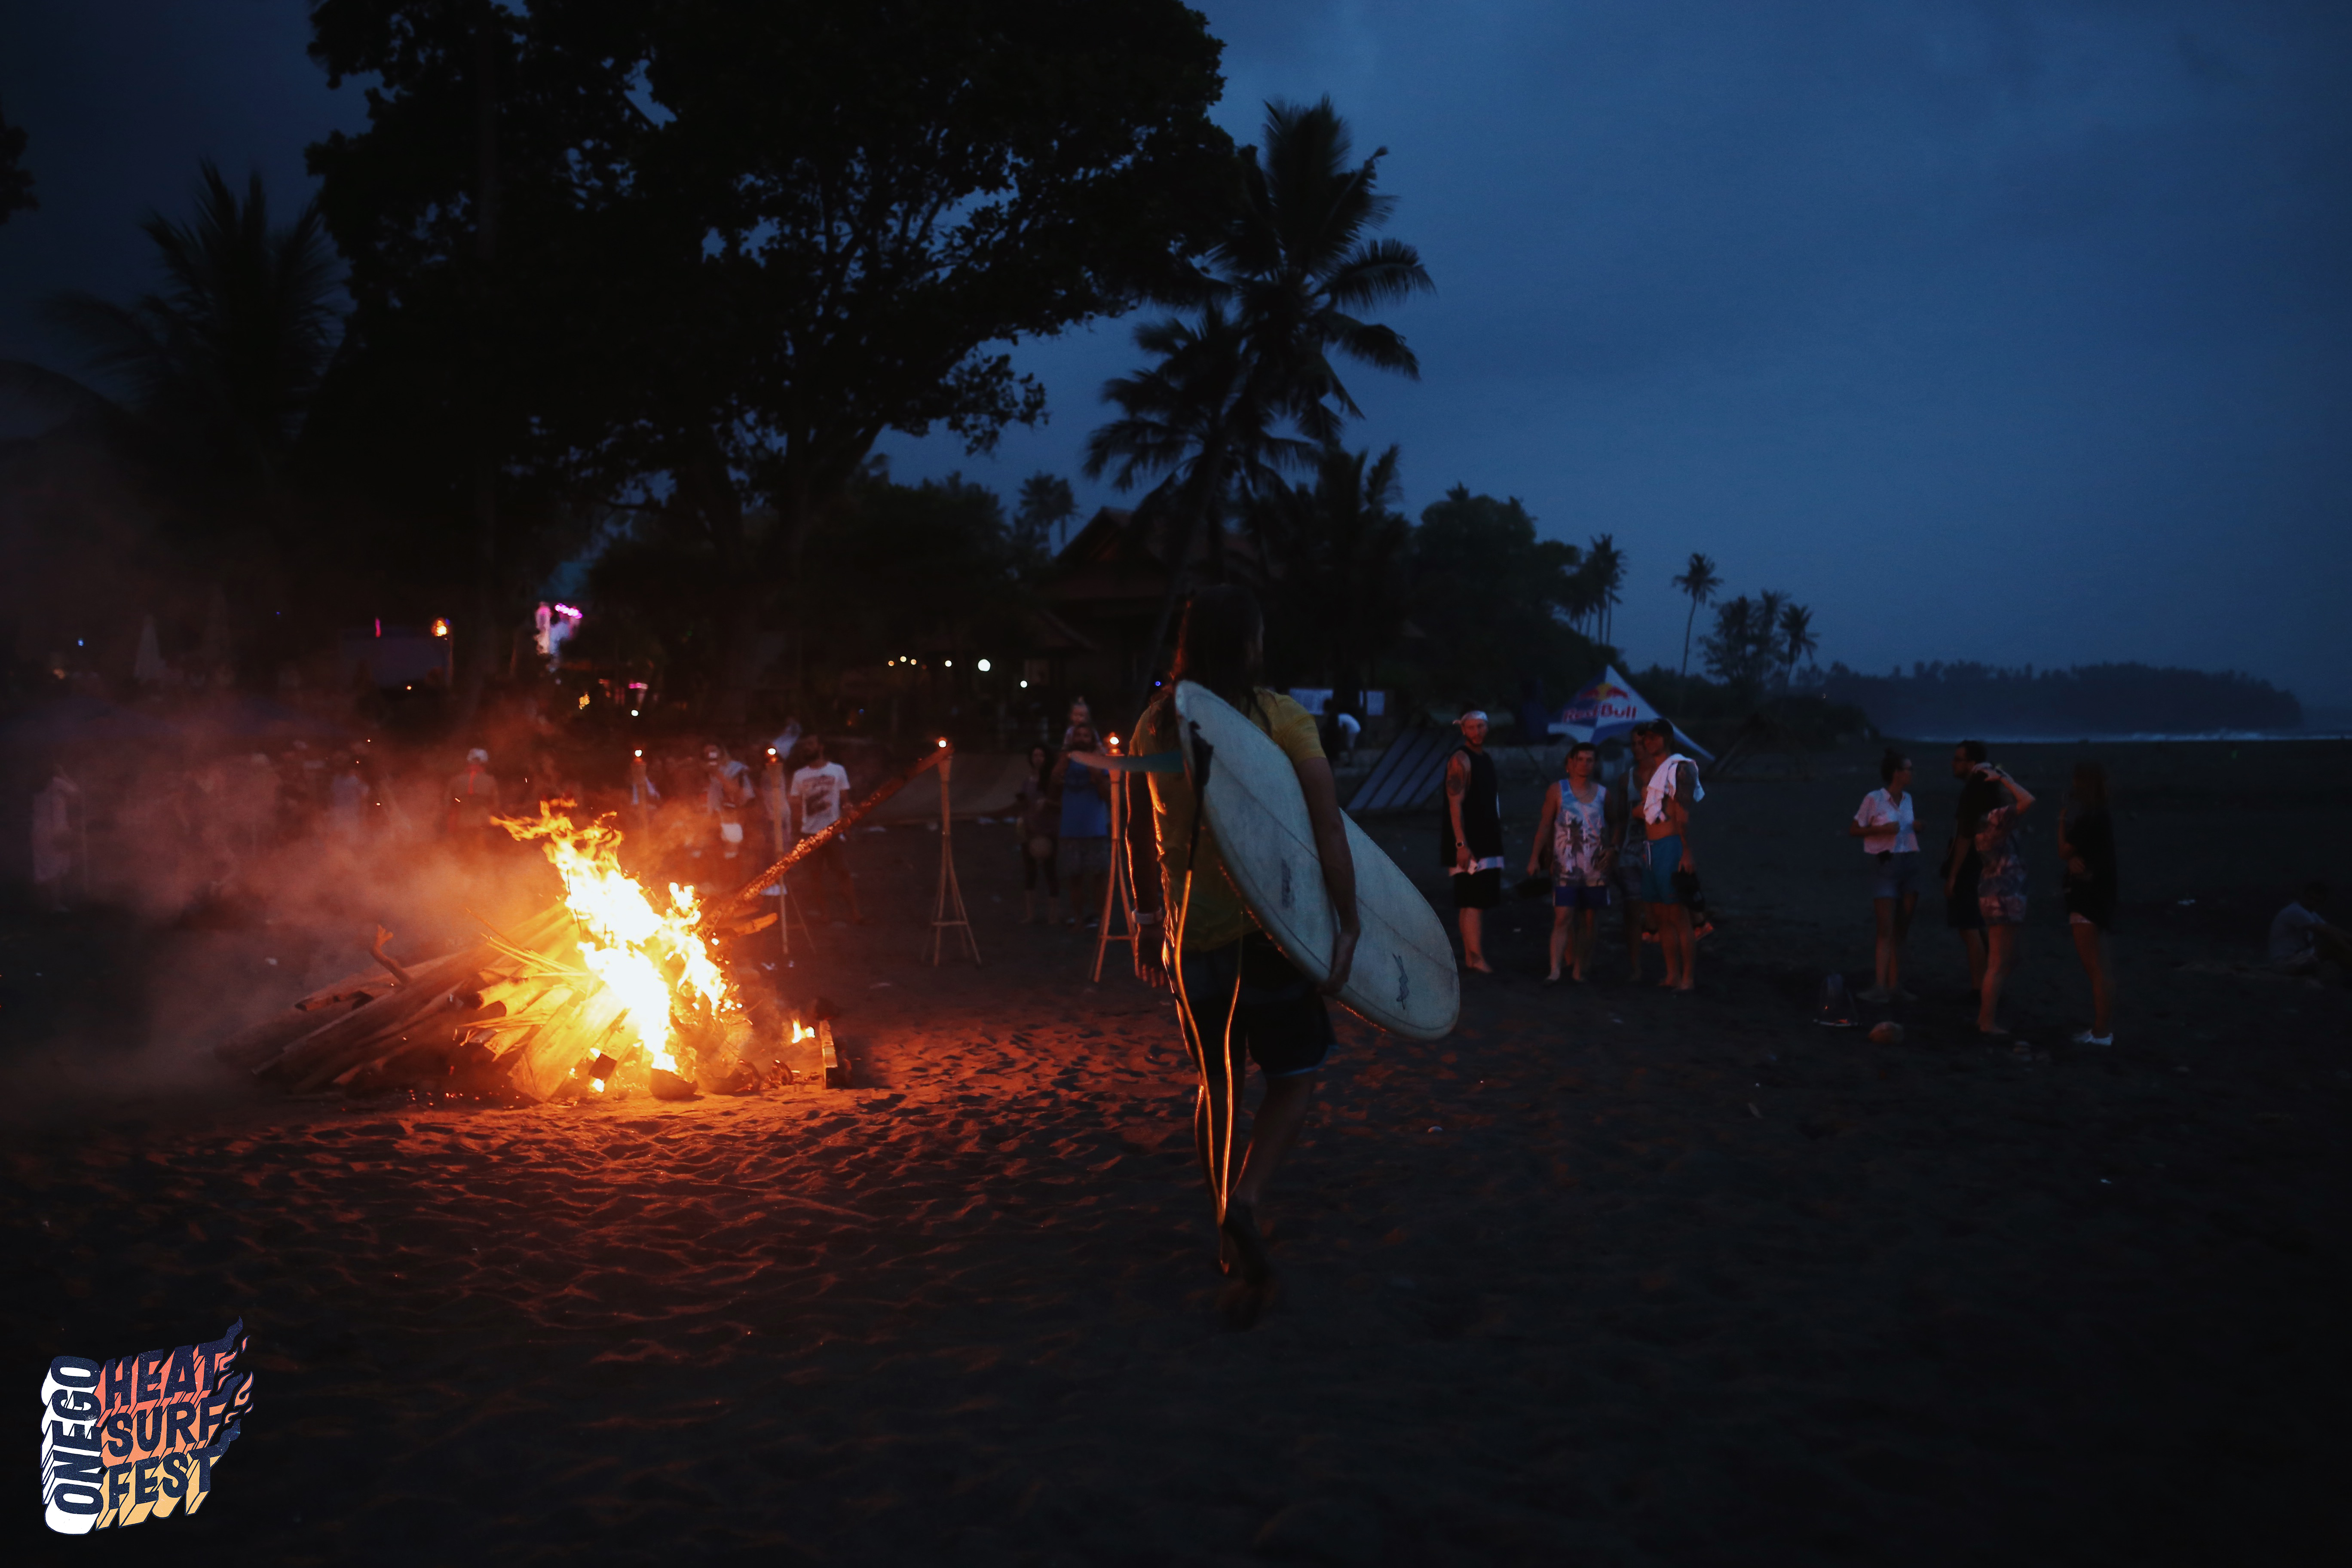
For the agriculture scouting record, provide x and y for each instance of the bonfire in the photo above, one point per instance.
(612, 992)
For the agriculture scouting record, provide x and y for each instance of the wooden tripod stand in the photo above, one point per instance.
(946, 910)
(1118, 893)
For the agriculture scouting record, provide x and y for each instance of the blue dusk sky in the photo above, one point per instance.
(2010, 332)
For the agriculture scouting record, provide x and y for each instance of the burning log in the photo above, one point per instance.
(319, 1055)
(837, 1062)
(842, 824)
(604, 991)
(251, 1047)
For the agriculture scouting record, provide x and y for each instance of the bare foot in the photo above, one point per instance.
(1478, 964)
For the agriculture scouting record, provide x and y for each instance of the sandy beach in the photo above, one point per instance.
(1610, 1275)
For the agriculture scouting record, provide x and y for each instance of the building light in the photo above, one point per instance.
(1025, 686)
(983, 666)
(440, 628)
(948, 662)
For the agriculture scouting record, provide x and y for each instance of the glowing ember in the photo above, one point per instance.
(657, 964)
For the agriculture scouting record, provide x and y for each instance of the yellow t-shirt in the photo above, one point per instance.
(1217, 916)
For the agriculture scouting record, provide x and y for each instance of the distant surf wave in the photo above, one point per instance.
(2098, 738)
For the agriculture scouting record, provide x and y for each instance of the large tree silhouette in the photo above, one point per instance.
(736, 244)
(1255, 373)
(205, 382)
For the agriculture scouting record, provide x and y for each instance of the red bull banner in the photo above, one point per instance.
(1606, 708)
(1610, 708)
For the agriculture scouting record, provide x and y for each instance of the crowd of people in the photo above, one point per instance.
(1625, 838)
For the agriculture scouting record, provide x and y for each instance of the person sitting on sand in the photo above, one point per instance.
(2086, 847)
(1575, 832)
(2000, 893)
(2301, 938)
(1470, 838)
(1235, 992)
(1884, 824)
(1666, 800)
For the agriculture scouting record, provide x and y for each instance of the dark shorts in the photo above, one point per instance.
(831, 858)
(1960, 911)
(1279, 1020)
(1571, 896)
(1895, 875)
(2090, 905)
(1478, 889)
(1658, 875)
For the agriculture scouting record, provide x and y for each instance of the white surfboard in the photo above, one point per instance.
(1403, 979)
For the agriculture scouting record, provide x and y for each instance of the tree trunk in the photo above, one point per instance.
(486, 493)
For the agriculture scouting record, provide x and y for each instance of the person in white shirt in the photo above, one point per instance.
(817, 790)
(1349, 727)
(1885, 825)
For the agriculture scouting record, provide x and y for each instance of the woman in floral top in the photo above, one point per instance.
(2001, 891)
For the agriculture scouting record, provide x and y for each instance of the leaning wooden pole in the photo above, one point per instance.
(842, 824)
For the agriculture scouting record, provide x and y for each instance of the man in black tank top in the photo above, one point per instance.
(1470, 840)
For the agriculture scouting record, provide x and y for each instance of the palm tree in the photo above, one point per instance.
(1699, 582)
(1341, 543)
(1046, 503)
(1604, 564)
(1284, 288)
(220, 367)
(1797, 639)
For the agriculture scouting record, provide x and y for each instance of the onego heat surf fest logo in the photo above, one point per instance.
(130, 1440)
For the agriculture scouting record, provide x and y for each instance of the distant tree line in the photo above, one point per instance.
(1965, 699)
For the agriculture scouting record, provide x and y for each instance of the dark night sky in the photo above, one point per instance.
(2009, 331)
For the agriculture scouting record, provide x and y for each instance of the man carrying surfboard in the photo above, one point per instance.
(1238, 998)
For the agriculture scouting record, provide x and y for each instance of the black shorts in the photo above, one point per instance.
(1960, 910)
(1279, 1019)
(832, 858)
(1478, 889)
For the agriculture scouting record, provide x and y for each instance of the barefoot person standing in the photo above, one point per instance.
(1240, 999)
(1960, 910)
(1884, 825)
(1579, 826)
(1471, 838)
(2001, 892)
(1666, 800)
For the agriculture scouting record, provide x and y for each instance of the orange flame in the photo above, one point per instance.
(653, 962)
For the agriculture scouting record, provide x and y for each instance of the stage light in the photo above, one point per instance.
(983, 666)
